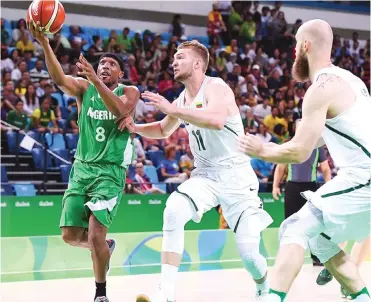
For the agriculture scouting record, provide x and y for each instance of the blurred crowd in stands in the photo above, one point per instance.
(251, 47)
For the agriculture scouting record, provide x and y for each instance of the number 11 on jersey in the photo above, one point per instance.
(200, 141)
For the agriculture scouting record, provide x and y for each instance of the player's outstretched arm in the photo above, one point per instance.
(299, 148)
(217, 93)
(72, 86)
(157, 130)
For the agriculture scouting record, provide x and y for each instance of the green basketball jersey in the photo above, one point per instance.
(100, 139)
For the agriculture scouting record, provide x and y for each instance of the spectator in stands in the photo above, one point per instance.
(264, 172)
(21, 88)
(17, 117)
(9, 95)
(274, 81)
(263, 134)
(366, 70)
(133, 72)
(65, 62)
(177, 28)
(249, 123)
(261, 111)
(48, 90)
(186, 161)
(7, 63)
(140, 156)
(76, 38)
(136, 42)
(72, 122)
(143, 183)
(273, 119)
(215, 24)
(124, 41)
(57, 45)
(6, 76)
(25, 43)
(170, 168)
(247, 30)
(280, 133)
(5, 36)
(165, 85)
(39, 72)
(17, 72)
(44, 115)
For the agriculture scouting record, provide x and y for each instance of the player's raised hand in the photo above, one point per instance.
(250, 144)
(126, 122)
(85, 69)
(158, 101)
(38, 34)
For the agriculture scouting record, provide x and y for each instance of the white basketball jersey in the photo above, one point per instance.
(213, 148)
(347, 136)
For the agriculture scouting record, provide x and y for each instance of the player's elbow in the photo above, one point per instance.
(300, 156)
(217, 123)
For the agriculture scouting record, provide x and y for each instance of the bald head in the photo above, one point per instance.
(319, 35)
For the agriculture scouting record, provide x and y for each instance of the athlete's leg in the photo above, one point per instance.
(345, 272)
(99, 248)
(75, 236)
(295, 233)
(360, 250)
(248, 241)
(178, 212)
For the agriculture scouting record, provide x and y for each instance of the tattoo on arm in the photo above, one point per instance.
(325, 78)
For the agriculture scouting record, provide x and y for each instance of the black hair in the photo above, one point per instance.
(115, 57)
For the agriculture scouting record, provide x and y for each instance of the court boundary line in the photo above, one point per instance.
(129, 266)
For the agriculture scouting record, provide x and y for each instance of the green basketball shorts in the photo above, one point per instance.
(92, 188)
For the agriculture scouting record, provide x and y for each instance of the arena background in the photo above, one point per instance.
(31, 246)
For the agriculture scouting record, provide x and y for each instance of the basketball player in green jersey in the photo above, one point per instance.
(103, 154)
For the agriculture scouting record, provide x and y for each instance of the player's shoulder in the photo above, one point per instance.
(214, 81)
(131, 91)
(326, 86)
(215, 85)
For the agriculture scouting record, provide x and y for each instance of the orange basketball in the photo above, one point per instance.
(48, 15)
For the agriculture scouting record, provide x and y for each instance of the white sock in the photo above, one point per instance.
(362, 298)
(168, 280)
(264, 287)
(273, 298)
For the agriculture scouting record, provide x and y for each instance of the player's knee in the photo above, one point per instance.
(301, 226)
(292, 233)
(96, 240)
(323, 248)
(177, 213)
(70, 237)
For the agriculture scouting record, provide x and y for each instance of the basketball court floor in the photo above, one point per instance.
(205, 286)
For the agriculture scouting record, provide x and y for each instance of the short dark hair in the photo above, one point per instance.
(115, 57)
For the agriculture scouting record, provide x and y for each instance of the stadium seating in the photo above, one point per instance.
(62, 153)
(65, 172)
(24, 190)
(60, 99)
(4, 175)
(38, 159)
(64, 113)
(6, 190)
(12, 140)
(155, 157)
(55, 141)
(150, 171)
(63, 124)
(72, 140)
